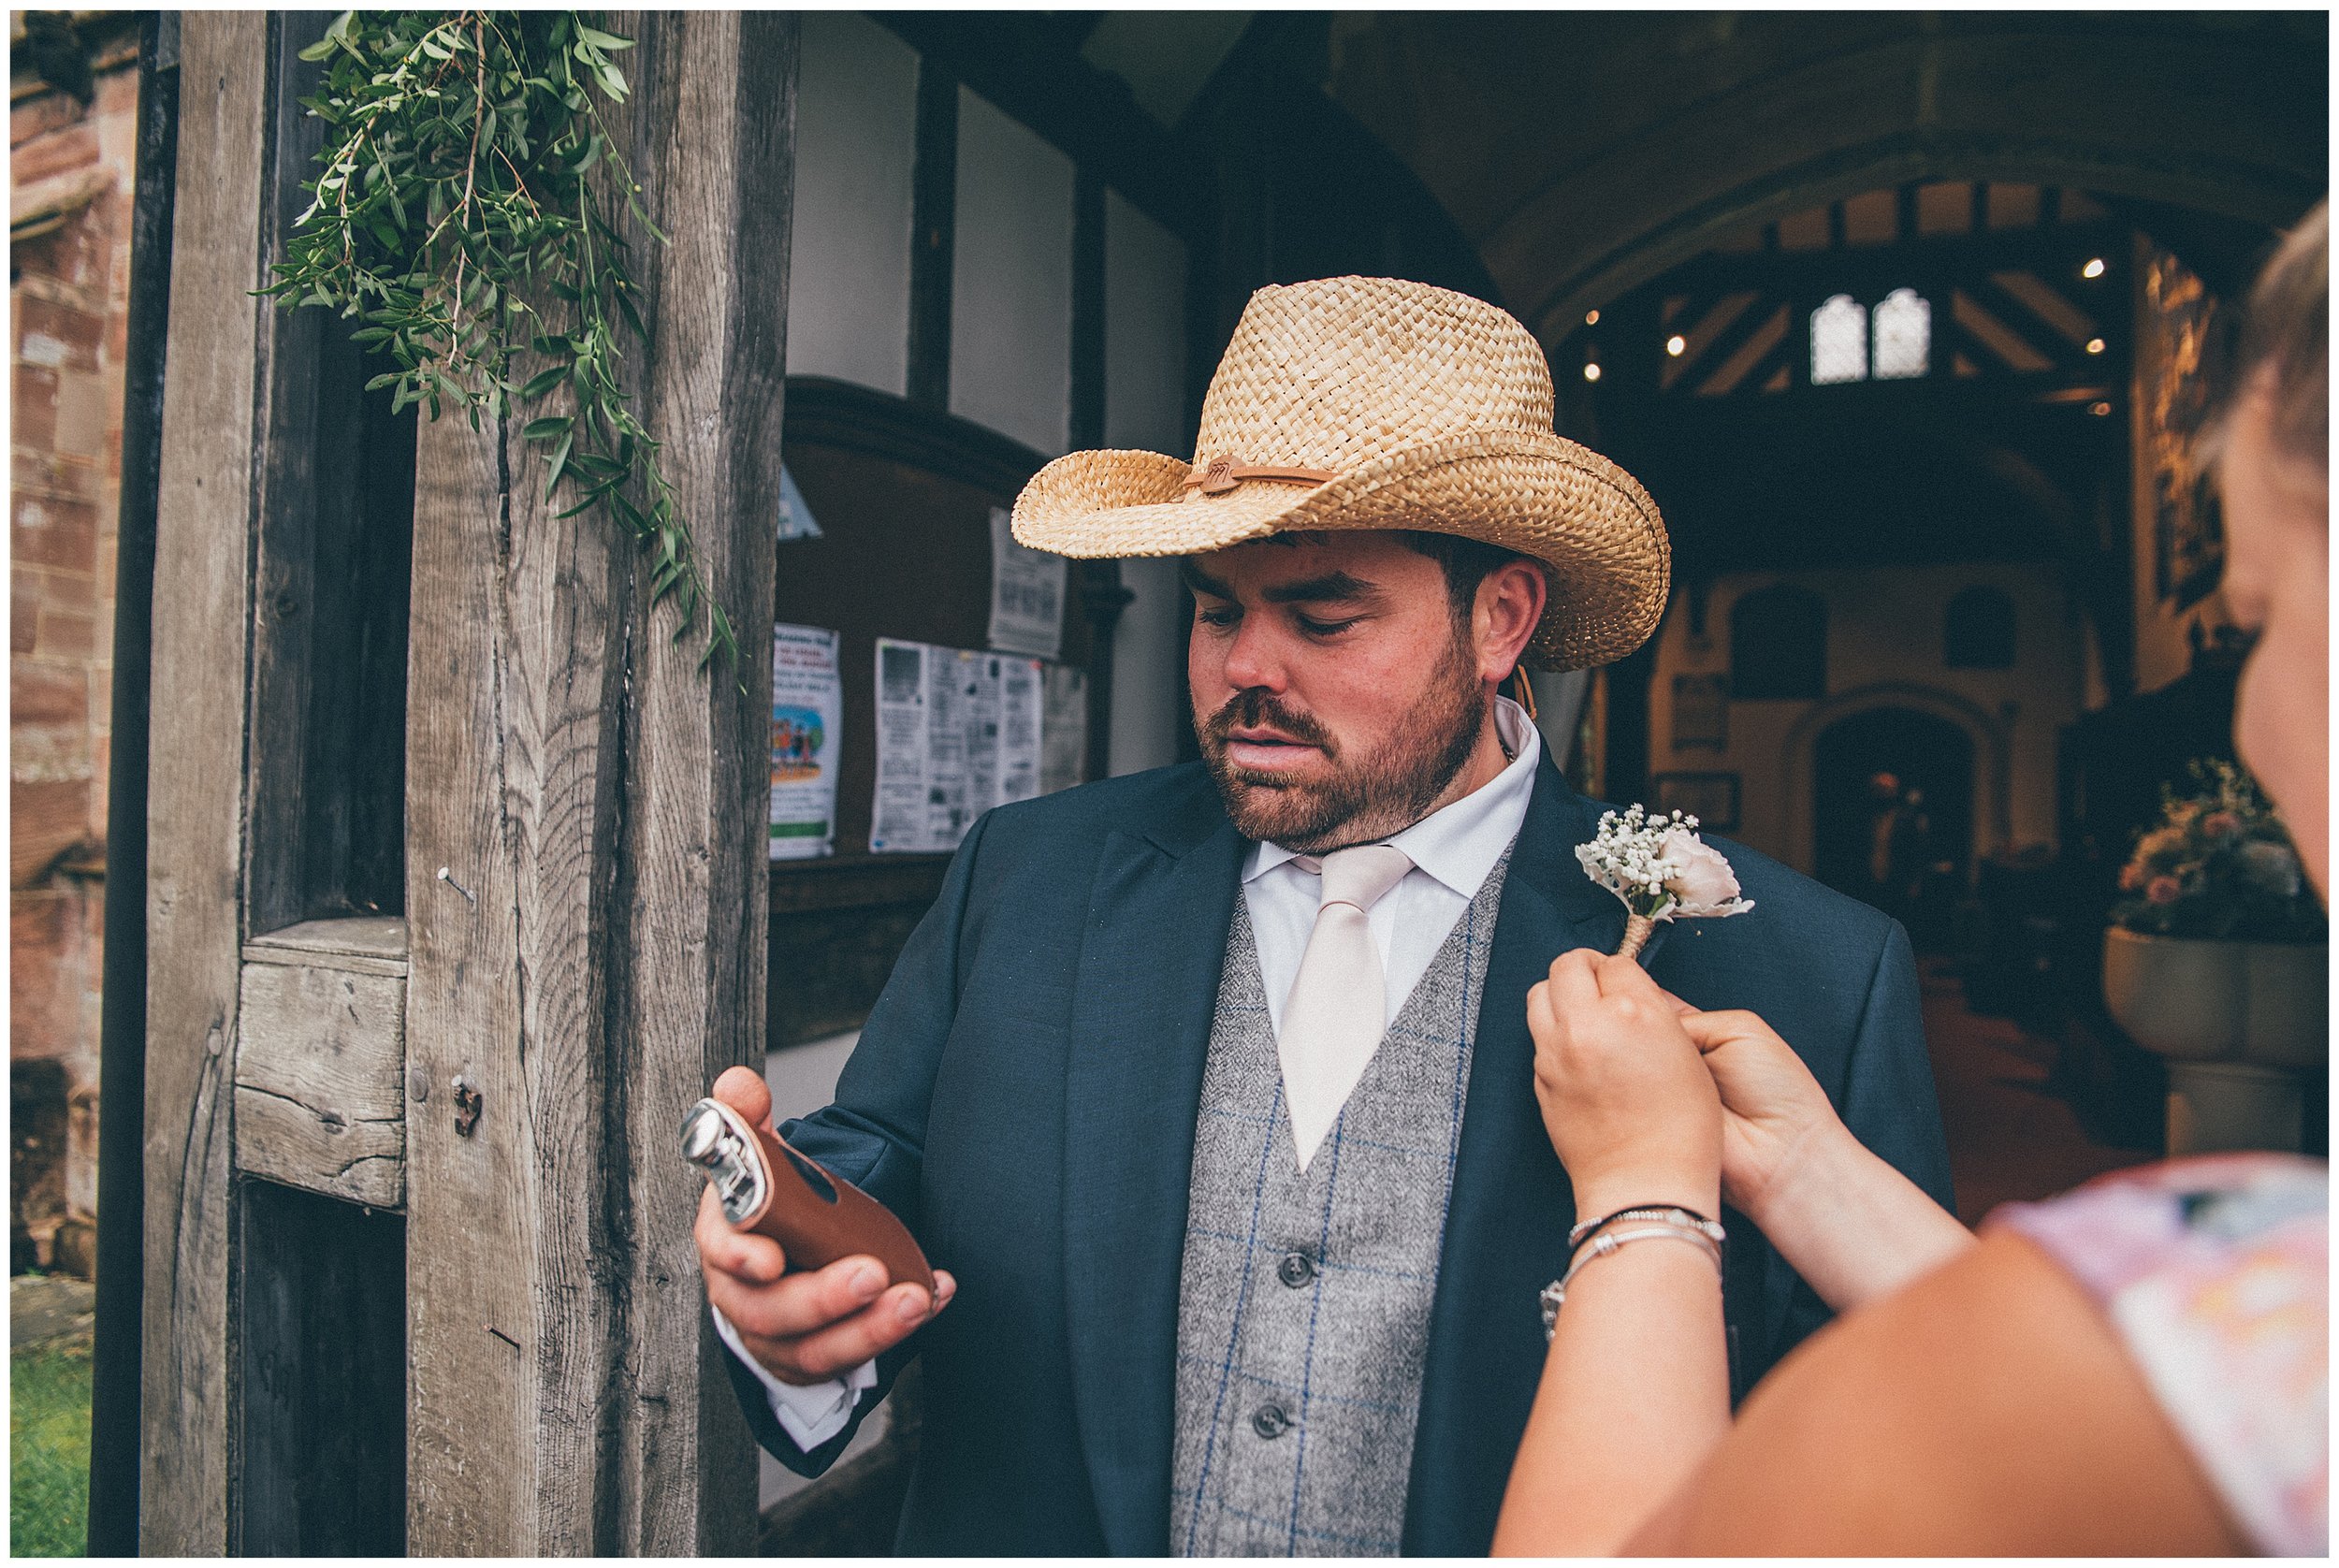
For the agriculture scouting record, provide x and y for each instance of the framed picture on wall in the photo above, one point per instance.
(1701, 711)
(1712, 798)
(2183, 340)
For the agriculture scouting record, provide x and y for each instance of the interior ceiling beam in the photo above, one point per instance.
(1739, 120)
(2043, 250)
(1554, 305)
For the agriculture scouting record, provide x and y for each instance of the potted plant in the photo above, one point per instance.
(2215, 960)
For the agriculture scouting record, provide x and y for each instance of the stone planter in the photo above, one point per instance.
(2238, 1022)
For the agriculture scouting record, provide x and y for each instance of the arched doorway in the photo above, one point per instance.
(1892, 814)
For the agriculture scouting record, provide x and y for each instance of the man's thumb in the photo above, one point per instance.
(744, 1090)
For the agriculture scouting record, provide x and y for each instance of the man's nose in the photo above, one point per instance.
(1254, 658)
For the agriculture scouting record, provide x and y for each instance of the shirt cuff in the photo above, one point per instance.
(810, 1413)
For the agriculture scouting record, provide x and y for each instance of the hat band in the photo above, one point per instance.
(1223, 473)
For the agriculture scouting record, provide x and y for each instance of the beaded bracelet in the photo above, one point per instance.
(1554, 1296)
(1672, 1214)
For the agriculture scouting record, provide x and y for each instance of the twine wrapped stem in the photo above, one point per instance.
(1636, 930)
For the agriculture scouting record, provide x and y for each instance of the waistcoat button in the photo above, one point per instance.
(1269, 1421)
(1296, 1270)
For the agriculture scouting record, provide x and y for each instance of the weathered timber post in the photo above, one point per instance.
(594, 952)
(205, 505)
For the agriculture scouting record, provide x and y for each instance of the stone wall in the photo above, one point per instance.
(71, 171)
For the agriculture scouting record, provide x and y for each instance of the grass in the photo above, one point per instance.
(49, 1394)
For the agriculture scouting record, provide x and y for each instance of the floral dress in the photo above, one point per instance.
(2214, 1271)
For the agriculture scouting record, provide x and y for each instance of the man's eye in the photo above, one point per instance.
(1222, 615)
(1315, 628)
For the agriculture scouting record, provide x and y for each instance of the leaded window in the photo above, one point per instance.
(1904, 335)
(1840, 341)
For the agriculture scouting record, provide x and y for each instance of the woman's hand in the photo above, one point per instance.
(1630, 1109)
(1774, 1113)
(1854, 1228)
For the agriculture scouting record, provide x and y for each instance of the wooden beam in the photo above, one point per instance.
(693, 867)
(933, 235)
(594, 952)
(320, 1073)
(471, 1233)
(195, 817)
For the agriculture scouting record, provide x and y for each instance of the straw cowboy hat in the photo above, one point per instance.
(1375, 403)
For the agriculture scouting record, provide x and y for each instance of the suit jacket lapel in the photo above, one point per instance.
(1507, 1218)
(1156, 939)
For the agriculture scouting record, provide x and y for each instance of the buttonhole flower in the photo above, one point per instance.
(1662, 870)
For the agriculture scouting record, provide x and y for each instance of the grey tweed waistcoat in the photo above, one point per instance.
(1303, 1301)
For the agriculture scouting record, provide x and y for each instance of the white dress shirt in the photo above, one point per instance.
(812, 1413)
(1452, 849)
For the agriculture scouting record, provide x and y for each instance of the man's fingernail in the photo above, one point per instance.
(867, 1280)
(912, 1310)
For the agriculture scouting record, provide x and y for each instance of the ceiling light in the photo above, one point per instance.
(2099, 409)
(1592, 370)
(2093, 268)
(1592, 318)
(2094, 345)
(1675, 344)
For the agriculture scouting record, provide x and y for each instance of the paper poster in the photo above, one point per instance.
(1020, 682)
(1026, 594)
(1063, 728)
(958, 733)
(807, 708)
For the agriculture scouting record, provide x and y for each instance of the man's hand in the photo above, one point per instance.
(809, 1326)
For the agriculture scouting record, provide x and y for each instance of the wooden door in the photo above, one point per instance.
(385, 1309)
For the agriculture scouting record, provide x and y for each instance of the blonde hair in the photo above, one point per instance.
(2285, 340)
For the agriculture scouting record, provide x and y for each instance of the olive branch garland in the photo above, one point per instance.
(454, 188)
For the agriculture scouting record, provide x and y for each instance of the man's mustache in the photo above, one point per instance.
(1254, 710)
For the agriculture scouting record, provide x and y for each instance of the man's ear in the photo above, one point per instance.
(1502, 619)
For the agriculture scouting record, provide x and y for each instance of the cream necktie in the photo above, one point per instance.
(1338, 1009)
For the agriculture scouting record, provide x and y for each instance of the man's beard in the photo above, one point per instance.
(1365, 800)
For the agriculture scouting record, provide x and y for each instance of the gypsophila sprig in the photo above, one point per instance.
(459, 212)
(1661, 869)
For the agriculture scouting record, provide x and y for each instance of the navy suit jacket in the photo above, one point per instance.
(1024, 1096)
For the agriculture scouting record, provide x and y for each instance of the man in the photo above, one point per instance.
(1209, 1090)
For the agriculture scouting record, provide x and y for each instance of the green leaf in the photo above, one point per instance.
(545, 380)
(560, 462)
(600, 39)
(547, 427)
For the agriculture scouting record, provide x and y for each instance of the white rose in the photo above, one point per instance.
(1705, 883)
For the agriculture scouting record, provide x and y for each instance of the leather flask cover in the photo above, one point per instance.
(818, 1217)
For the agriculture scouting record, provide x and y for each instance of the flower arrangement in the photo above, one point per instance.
(1662, 870)
(2218, 865)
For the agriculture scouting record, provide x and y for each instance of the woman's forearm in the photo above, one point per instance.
(1855, 1227)
(1634, 1392)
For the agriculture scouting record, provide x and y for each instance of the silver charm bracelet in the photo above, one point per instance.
(1554, 1295)
(1669, 1213)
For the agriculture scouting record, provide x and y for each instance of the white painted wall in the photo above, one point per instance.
(1012, 279)
(1146, 408)
(856, 135)
(1147, 646)
(1144, 331)
(1883, 628)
